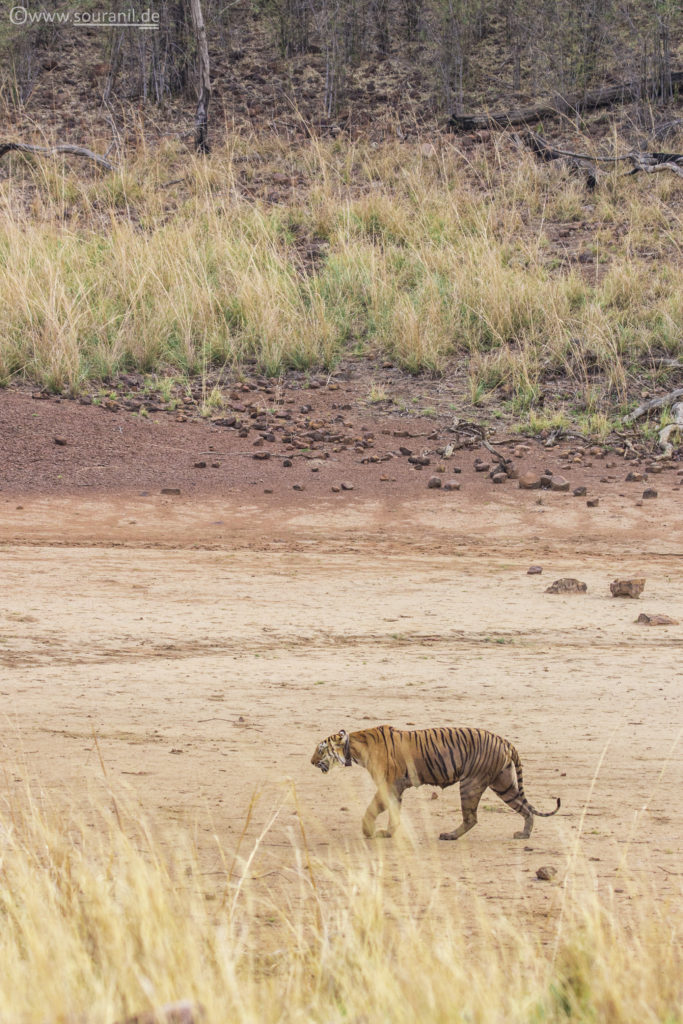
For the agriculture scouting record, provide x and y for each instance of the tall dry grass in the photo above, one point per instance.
(424, 260)
(99, 920)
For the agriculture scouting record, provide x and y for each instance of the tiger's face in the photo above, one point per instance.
(333, 750)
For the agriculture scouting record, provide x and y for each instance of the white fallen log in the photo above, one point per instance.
(666, 432)
(25, 147)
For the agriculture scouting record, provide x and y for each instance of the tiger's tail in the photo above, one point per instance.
(520, 783)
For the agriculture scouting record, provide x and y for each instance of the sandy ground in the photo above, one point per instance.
(209, 647)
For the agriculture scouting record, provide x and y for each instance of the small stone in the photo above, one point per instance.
(650, 492)
(215, 465)
(534, 570)
(346, 485)
(627, 588)
(546, 481)
(224, 421)
(261, 456)
(61, 441)
(200, 465)
(405, 451)
(267, 490)
(298, 487)
(633, 477)
(482, 467)
(335, 489)
(520, 451)
(558, 483)
(170, 490)
(529, 481)
(579, 492)
(434, 481)
(656, 620)
(452, 485)
(546, 873)
(499, 478)
(567, 585)
(593, 502)
(287, 463)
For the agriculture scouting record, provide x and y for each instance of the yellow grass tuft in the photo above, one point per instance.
(100, 921)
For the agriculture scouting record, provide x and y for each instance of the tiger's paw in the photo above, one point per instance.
(448, 835)
(521, 835)
(382, 833)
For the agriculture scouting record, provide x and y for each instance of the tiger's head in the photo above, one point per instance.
(334, 750)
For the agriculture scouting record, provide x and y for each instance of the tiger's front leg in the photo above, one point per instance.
(381, 802)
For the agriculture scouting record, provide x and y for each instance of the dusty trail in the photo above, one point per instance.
(209, 657)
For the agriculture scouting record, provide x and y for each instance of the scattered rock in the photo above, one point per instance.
(649, 492)
(567, 585)
(579, 492)
(298, 487)
(434, 481)
(546, 480)
(634, 477)
(499, 478)
(335, 489)
(346, 485)
(61, 441)
(521, 450)
(452, 485)
(546, 873)
(656, 620)
(200, 465)
(534, 570)
(287, 463)
(481, 467)
(558, 483)
(170, 490)
(529, 481)
(224, 421)
(183, 1012)
(593, 502)
(627, 588)
(261, 456)
(405, 451)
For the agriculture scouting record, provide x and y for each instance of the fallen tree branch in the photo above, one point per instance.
(654, 403)
(24, 147)
(666, 432)
(591, 100)
(648, 162)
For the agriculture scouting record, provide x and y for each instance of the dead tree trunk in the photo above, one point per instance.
(560, 105)
(201, 138)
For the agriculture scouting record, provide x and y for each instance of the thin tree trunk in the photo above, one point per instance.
(201, 138)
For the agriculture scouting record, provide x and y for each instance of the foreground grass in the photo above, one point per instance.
(384, 251)
(97, 925)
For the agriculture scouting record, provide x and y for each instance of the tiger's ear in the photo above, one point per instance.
(346, 739)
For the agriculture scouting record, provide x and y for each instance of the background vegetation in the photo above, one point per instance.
(328, 57)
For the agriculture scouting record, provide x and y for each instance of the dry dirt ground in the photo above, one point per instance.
(209, 641)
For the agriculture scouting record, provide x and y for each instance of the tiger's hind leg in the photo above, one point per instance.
(505, 786)
(471, 791)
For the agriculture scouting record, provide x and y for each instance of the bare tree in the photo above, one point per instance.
(201, 139)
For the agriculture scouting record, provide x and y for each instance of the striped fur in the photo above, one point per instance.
(398, 759)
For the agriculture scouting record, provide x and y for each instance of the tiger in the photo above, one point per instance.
(398, 759)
